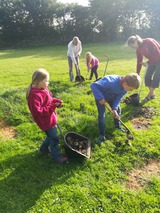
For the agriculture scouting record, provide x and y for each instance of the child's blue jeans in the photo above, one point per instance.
(102, 117)
(51, 140)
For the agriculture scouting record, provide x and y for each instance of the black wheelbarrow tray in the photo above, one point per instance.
(77, 146)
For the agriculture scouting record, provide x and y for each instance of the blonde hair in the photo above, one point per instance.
(38, 76)
(75, 40)
(133, 39)
(89, 56)
(133, 80)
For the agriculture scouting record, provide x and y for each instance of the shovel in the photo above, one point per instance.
(134, 98)
(105, 67)
(106, 64)
(129, 133)
(87, 75)
(79, 77)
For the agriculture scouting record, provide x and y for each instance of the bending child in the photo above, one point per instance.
(43, 109)
(92, 64)
(110, 89)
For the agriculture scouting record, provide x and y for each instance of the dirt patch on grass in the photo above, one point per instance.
(142, 118)
(7, 131)
(140, 123)
(139, 178)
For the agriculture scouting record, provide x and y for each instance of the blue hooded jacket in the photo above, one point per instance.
(109, 88)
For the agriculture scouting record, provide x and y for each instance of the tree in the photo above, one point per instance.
(26, 19)
(152, 9)
(105, 16)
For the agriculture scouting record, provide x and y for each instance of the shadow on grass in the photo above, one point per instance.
(31, 176)
(35, 52)
(128, 111)
(61, 86)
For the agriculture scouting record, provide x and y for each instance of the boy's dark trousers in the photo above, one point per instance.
(102, 117)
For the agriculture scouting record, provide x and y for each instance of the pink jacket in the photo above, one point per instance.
(42, 107)
(149, 49)
(94, 62)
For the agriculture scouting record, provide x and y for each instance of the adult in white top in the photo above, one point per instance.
(74, 51)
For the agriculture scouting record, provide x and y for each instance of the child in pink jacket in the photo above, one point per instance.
(43, 109)
(92, 64)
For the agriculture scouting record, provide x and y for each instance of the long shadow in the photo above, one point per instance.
(35, 52)
(31, 176)
(59, 86)
(129, 111)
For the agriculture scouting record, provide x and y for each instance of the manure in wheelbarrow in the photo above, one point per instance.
(77, 145)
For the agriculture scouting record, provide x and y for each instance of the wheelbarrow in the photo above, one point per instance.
(76, 145)
(134, 98)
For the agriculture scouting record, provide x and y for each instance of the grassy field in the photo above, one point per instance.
(116, 179)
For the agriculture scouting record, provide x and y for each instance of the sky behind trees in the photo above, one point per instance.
(80, 2)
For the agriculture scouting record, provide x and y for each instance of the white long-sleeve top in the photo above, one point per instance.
(74, 51)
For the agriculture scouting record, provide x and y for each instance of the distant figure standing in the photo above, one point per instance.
(150, 49)
(92, 64)
(74, 51)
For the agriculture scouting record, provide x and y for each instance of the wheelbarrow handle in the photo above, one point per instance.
(107, 107)
(60, 130)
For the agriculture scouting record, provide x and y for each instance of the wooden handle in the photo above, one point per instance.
(107, 107)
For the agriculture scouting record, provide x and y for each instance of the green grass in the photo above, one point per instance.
(30, 183)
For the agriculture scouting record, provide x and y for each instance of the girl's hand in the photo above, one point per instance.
(58, 104)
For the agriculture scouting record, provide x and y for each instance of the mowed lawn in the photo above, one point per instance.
(116, 179)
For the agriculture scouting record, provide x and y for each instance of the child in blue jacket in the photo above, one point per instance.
(110, 89)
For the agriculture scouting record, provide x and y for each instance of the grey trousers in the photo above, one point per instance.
(152, 77)
(70, 64)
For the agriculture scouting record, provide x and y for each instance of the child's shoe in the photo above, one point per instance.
(61, 160)
(101, 139)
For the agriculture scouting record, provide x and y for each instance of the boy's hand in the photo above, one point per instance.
(102, 101)
(115, 114)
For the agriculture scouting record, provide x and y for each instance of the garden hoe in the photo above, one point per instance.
(128, 132)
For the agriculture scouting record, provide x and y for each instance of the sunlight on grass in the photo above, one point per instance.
(32, 183)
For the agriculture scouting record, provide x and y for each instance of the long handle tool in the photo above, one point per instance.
(106, 64)
(129, 133)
